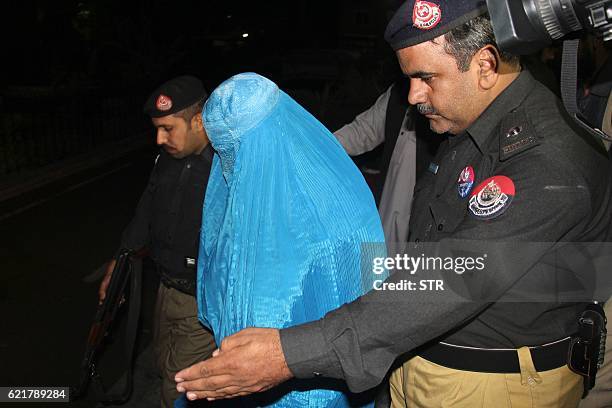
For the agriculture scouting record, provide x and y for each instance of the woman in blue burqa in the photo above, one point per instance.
(286, 225)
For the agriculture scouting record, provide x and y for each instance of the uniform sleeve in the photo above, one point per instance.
(359, 341)
(367, 130)
(138, 232)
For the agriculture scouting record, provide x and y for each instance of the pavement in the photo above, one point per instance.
(24, 183)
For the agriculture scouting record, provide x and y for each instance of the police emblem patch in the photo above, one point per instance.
(426, 15)
(163, 103)
(465, 181)
(492, 197)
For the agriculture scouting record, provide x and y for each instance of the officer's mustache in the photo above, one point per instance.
(425, 109)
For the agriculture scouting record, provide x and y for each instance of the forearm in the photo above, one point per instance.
(359, 341)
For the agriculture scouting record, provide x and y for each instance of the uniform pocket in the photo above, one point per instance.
(447, 215)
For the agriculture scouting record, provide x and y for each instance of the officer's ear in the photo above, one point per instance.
(487, 59)
(196, 122)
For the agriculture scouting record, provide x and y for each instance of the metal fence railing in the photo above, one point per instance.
(40, 127)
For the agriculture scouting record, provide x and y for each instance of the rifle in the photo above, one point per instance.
(128, 268)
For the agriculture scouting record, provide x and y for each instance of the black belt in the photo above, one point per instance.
(187, 286)
(545, 357)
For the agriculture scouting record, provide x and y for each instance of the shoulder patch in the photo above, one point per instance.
(516, 135)
(492, 197)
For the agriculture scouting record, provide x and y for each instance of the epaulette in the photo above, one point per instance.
(516, 135)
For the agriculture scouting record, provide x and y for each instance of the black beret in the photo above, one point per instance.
(418, 21)
(174, 96)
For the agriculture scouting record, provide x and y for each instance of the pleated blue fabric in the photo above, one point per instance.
(287, 223)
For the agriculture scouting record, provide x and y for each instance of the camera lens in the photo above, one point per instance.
(558, 17)
(526, 26)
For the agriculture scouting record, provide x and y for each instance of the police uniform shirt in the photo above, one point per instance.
(169, 214)
(562, 193)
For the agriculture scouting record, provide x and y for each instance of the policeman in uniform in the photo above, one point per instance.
(167, 221)
(514, 171)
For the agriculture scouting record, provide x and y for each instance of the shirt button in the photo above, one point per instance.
(440, 227)
(189, 165)
(316, 373)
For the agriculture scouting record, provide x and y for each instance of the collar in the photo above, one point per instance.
(205, 154)
(510, 98)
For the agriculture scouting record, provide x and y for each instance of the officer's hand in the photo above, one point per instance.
(249, 361)
(104, 284)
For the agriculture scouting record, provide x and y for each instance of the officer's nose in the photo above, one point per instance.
(162, 137)
(418, 92)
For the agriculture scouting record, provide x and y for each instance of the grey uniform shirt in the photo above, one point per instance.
(367, 132)
(562, 194)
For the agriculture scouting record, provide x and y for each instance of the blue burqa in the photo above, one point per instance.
(286, 222)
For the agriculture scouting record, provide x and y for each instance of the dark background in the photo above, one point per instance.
(76, 149)
(76, 72)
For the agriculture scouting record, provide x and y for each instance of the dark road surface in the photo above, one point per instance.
(52, 239)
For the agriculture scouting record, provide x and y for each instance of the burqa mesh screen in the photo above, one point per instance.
(285, 218)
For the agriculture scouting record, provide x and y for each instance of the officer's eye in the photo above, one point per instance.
(427, 79)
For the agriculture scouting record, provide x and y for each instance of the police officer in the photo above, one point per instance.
(515, 171)
(167, 221)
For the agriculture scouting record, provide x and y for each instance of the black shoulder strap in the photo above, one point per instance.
(177, 200)
(394, 117)
(569, 76)
(427, 143)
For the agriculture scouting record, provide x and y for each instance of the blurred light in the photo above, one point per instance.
(245, 35)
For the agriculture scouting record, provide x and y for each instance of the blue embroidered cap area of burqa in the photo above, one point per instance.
(287, 223)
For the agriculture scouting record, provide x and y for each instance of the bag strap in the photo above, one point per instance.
(569, 76)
